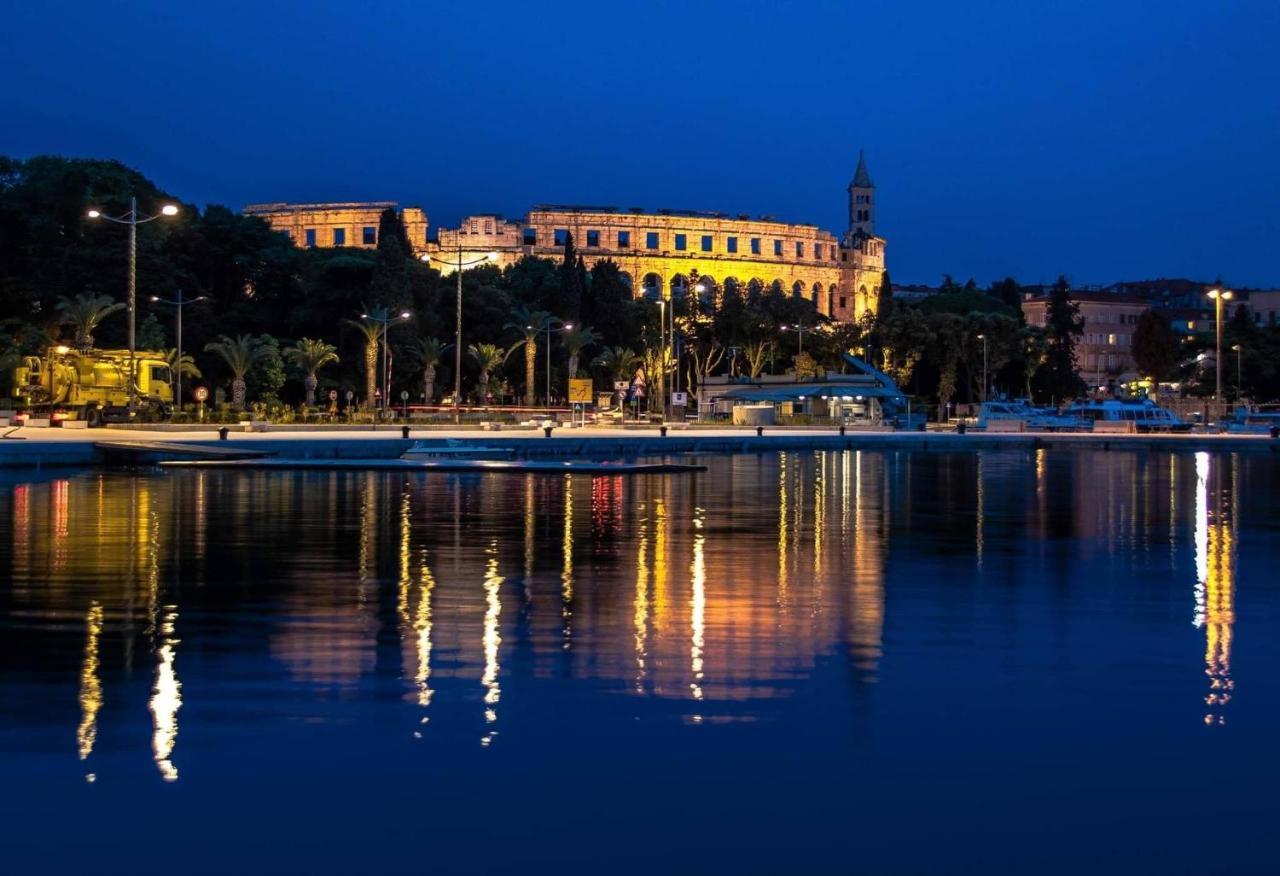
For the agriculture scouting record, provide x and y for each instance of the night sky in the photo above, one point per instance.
(1105, 140)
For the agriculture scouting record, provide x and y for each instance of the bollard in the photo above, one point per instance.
(546, 430)
(662, 430)
(960, 427)
(841, 431)
(222, 433)
(404, 431)
(759, 431)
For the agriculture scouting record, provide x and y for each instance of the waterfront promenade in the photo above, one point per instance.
(40, 447)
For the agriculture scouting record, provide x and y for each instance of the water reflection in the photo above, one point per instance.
(714, 595)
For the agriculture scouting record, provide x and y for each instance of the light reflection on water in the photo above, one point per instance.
(722, 596)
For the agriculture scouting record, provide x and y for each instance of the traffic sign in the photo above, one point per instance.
(201, 393)
(404, 395)
(680, 399)
(333, 395)
(580, 390)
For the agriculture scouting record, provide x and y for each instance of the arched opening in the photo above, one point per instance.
(797, 289)
(651, 286)
(710, 289)
(732, 287)
(816, 295)
(679, 285)
(776, 286)
(627, 281)
(755, 287)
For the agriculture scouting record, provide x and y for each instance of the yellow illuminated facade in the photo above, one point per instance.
(353, 223)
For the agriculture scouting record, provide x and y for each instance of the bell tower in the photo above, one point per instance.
(862, 208)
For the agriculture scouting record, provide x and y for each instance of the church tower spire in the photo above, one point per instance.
(862, 215)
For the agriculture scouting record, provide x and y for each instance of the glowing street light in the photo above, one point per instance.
(1218, 296)
(177, 366)
(133, 220)
(459, 264)
(983, 338)
(386, 321)
(552, 327)
(1239, 370)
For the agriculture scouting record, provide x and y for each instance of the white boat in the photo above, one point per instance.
(1019, 415)
(453, 448)
(1256, 420)
(1144, 415)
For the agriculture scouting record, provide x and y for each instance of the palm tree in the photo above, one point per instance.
(370, 326)
(575, 340)
(84, 314)
(621, 363)
(311, 355)
(488, 357)
(428, 352)
(240, 353)
(184, 367)
(529, 323)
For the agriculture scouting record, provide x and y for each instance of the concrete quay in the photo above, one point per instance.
(48, 447)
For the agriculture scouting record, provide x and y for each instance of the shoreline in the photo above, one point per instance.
(29, 447)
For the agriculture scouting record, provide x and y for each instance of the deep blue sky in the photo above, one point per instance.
(1106, 140)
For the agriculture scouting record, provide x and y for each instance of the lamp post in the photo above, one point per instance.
(1239, 370)
(133, 220)
(799, 329)
(177, 366)
(459, 264)
(1218, 296)
(386, 321)
(983, 338)
(552, 327)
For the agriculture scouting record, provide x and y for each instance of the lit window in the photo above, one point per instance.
(755, 246)
(561, 236)
(624, 239)
(651, 240)
(681, 241)
(593, 238)
(777, 247)
(1111, 339)
(370, 235)
(531, 237)
(731, 244)
(706, 243)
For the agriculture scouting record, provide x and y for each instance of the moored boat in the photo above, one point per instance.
(1136, 415)
(1019, 415)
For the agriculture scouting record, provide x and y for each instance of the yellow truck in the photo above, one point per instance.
(93, 386)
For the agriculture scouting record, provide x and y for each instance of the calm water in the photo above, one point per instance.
(819, 662)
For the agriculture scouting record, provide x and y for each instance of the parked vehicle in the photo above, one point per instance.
(93, 386)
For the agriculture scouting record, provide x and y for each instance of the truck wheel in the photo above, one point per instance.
(93, 417)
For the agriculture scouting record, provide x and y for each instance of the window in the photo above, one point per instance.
(799, 250)
(777, 247)
(706, 243)
(817, 251)
(160, 374)
(651, 240)
(681, 241)
(731, 244)
(475, 227)
(531, 237)
(1111, 339)
(844, 302)
(561, 236)
(339, 237)
(593, 237)
(370, 235)
(488, 226)
(755, 246)
(624, 240)
(311, 237)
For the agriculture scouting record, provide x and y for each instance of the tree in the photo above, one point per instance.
(389, 283)
(884, 297)
(150, 334)
(370, 326)
(488, 357)
(240, 353)
(904, 338)
(806, 367)
(620, 363)
(428, 352)
(576, 340)
(84, 314)
(310, 355)
(529, 323)
(1059, 376)
(185, 367)
(267, 374)
(757, 353)
(1155, 346)
(1034, 350)
(573, 282)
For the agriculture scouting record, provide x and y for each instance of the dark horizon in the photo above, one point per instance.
(1091, 140)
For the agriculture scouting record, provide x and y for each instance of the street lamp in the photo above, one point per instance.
(177, 366)
(458, 264)
(983, 338)
(1239, 370)
(552, 327)
(799, 329)
(1218, 296)
(133, 220)
(386, 321)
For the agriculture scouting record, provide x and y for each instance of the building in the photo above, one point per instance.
(1104, 352)
(1265, 304)
(353, 224)
(665, 251)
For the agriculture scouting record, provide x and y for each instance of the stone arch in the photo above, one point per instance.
(627, 281)
(732, 287)
(861, 301)
(755, 286)
(651, 285)
(797, 289)
(679, 284)
(711, 289)
(816, 292)
(776, 286)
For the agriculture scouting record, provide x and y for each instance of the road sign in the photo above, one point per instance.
(404, 395)
(580, 390)
(201, 393)
(333, 395)
(680, 399)
(350, 396)
(620, 386)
